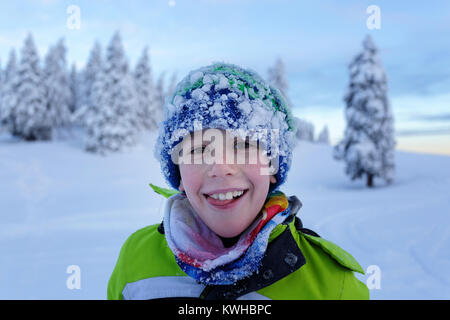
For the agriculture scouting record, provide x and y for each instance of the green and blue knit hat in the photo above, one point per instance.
(225, 96)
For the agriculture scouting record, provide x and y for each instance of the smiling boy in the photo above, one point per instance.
(226, 145)
(227, 194)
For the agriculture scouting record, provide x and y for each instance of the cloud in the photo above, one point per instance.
(431, 117)
(423, 132)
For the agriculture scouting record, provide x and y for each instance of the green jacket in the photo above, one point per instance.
(298, 264)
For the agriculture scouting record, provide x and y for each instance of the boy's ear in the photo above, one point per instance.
(273, 179)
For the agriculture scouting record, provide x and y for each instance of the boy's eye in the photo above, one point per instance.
(198, 150)
(240, 145)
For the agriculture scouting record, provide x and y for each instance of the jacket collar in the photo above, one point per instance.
(283, 257)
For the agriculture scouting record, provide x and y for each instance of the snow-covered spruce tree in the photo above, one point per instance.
(31, 119)
(58, 95)
(277, 78)
(305, 130)
(74, 86)
(172, 84)
(112, 121)
(1, 89)
(1, 92)
(86, 80)
(8, 93)
(324, 136)
(145, 91)
(1, 85)
(160, 97)
(162, 94)
(92, 70)
(368, 144)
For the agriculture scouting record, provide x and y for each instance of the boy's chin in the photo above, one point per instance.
(229, 235)
(231, 231)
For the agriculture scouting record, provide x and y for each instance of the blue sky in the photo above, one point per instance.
(316, 40)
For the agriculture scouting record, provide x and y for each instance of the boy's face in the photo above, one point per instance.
(209, 175)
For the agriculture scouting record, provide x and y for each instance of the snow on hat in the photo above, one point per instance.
(226, 96)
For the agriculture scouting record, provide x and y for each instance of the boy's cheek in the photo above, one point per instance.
(257, 172)
(192, 177)
(189, 174)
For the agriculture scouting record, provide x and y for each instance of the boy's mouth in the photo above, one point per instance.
(224, 200)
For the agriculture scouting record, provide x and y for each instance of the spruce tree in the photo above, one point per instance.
(92, 70)
(324, 136)
(57, 86)
(112, 121)
(86, 80)
(160, 97)
(172, 85)
(74, 86)
(7, 96)
(30, 117)
(145, 91)
(1, 89)
(368, 144)
(2, 83)
(304, 130)
(278, 79)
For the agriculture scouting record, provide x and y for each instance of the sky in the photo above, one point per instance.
(316, 40)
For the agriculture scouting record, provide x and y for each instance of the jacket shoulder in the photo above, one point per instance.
(147, 235)
(146, 251)
(341, 256)
(342, 281)
(326, 274)
(144, 254)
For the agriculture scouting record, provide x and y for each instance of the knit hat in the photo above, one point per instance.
(226, 96)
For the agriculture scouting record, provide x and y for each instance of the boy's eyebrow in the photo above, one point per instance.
(190, 141)
(193, 142)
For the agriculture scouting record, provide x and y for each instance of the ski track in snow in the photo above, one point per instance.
(62, 206)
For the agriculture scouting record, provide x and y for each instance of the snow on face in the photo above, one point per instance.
(226, 97)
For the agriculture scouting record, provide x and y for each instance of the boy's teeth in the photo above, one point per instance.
(227, 196)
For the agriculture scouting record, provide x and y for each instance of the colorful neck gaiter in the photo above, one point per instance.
(201, 254)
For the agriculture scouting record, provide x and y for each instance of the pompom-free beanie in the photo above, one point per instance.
(226, 96)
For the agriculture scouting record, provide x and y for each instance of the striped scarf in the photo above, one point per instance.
(201, 254)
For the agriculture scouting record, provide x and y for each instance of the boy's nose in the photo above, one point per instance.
(221, 170)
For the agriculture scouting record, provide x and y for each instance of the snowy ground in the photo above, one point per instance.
(60, 206)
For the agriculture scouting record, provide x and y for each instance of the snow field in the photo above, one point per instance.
(61, 206)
